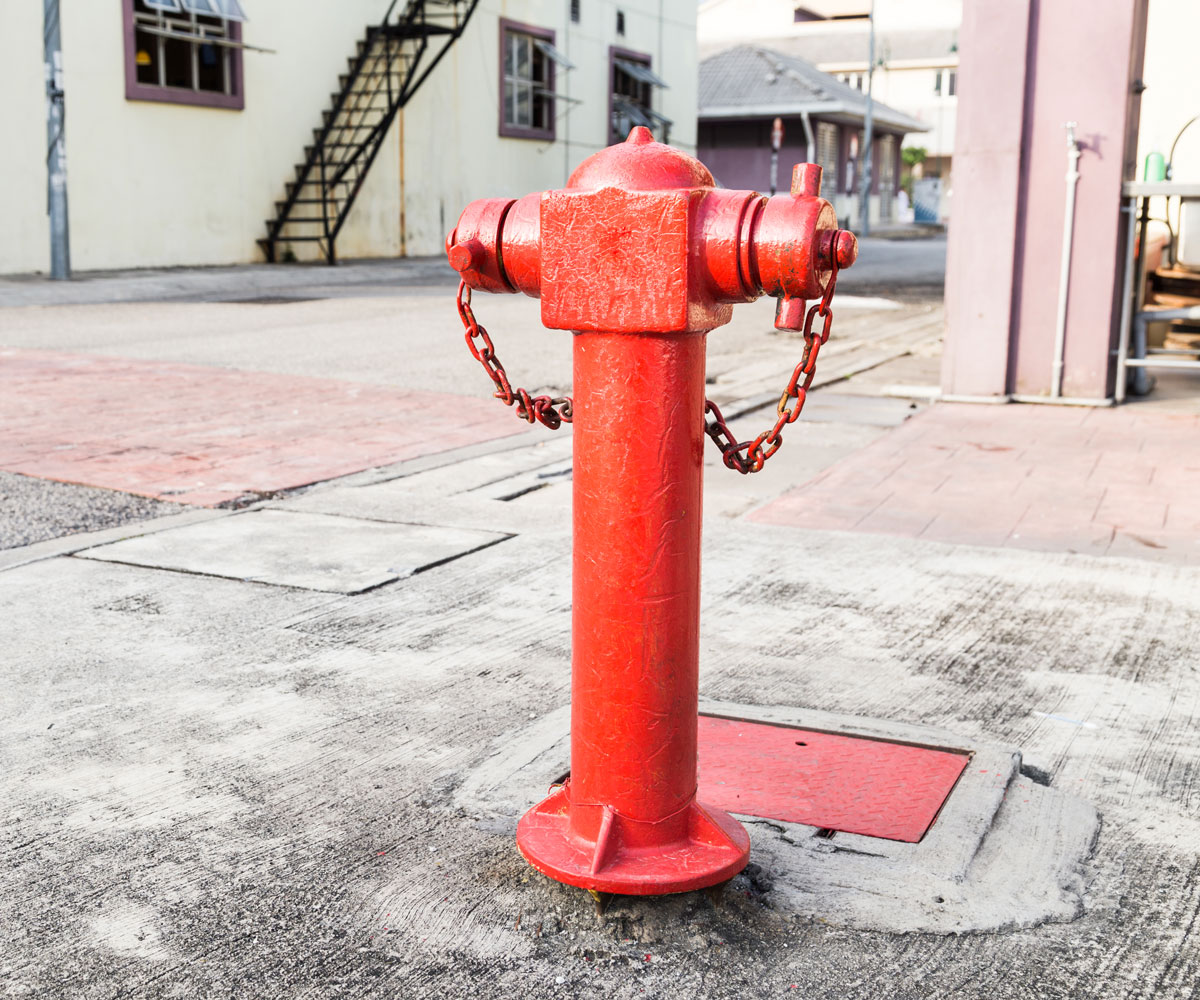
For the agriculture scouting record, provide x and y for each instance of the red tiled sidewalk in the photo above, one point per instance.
(203, 435)
(1120, 482)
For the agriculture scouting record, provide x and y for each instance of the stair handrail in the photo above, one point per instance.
(402, 98)
(290, 202)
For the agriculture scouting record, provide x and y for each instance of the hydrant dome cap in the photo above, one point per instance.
(640, 164)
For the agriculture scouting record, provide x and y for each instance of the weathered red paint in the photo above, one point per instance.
(641, 256)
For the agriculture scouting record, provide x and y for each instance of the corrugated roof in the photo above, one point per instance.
(753, 81)
(851, 46)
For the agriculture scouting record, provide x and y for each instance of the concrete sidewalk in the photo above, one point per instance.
(277, 747)
(245, 778)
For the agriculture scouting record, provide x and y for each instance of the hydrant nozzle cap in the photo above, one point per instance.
(465, 256)
(846, 249)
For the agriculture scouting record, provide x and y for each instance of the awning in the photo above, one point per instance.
(199, 37)
(639, 114)
(640, 71)
(549, 50)
(543, 92)
(230, 10)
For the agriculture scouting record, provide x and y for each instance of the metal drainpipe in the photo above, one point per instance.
(56, 154)
(1064, 274)
(810, 153)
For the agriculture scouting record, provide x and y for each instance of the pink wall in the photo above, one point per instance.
(986, 192)
(1027, 66)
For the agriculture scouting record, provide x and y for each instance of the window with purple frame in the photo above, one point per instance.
(184, 52)
(631, 96)
(527, 58)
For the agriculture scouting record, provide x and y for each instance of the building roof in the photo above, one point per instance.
(750, 81)
(849, 47)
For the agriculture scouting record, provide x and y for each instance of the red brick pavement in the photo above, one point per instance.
(1122, 481)
(204, 435)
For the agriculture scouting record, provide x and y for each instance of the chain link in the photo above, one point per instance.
(553, 411)
(791, 402)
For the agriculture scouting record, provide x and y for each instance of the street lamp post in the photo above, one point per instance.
(864, 176)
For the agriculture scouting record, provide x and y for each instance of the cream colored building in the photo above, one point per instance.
(156, 182)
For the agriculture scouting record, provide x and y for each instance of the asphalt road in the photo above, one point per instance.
(882, 263)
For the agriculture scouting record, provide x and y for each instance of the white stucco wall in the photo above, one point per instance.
(1170, 98)
(912, 90)
(452, 153)
(154, 185)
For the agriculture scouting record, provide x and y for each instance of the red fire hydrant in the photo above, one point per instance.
(641, 256)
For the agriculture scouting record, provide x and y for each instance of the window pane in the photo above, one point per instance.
(210, 69)
(953, 81)
(524, 115)
(231, 9)
(201, 6)
(510, 103)
(510, 55)
(146, 57)
(178, 62)
(523, 57)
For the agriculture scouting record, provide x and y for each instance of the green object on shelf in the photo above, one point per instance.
(1156, 167)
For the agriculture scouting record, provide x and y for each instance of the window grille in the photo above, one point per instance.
(827, 153)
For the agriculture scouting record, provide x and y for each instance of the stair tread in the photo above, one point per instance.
(366, 99)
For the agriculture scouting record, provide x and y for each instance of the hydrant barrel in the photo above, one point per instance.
(628, 821)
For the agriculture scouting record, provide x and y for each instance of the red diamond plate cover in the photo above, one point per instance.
(837, 782)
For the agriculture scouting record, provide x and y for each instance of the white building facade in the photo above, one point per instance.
(178, 150)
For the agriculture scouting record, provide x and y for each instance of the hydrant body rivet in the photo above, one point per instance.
(640, 256)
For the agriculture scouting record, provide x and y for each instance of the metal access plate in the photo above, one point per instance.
(833, 781)
(340, 555)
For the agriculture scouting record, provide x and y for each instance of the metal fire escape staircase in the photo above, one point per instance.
(393, 60)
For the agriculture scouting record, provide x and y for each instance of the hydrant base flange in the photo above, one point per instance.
(627, 857)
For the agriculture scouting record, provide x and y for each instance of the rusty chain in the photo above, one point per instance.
(553, 411)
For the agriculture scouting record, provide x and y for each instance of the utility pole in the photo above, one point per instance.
(864, 175)
(56, 149)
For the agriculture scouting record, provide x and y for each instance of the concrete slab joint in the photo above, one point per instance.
(1005, 851)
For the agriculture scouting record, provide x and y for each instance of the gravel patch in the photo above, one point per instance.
(32, 510)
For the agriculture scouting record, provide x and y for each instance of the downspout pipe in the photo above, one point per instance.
(1064, 274)
(810, 153)
(56, 148)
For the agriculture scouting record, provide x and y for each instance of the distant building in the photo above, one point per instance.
(742, 91)
(916, 61)
(226, 131)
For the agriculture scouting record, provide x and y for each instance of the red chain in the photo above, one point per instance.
(768, 442)
(552, 411)
(549, 410)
